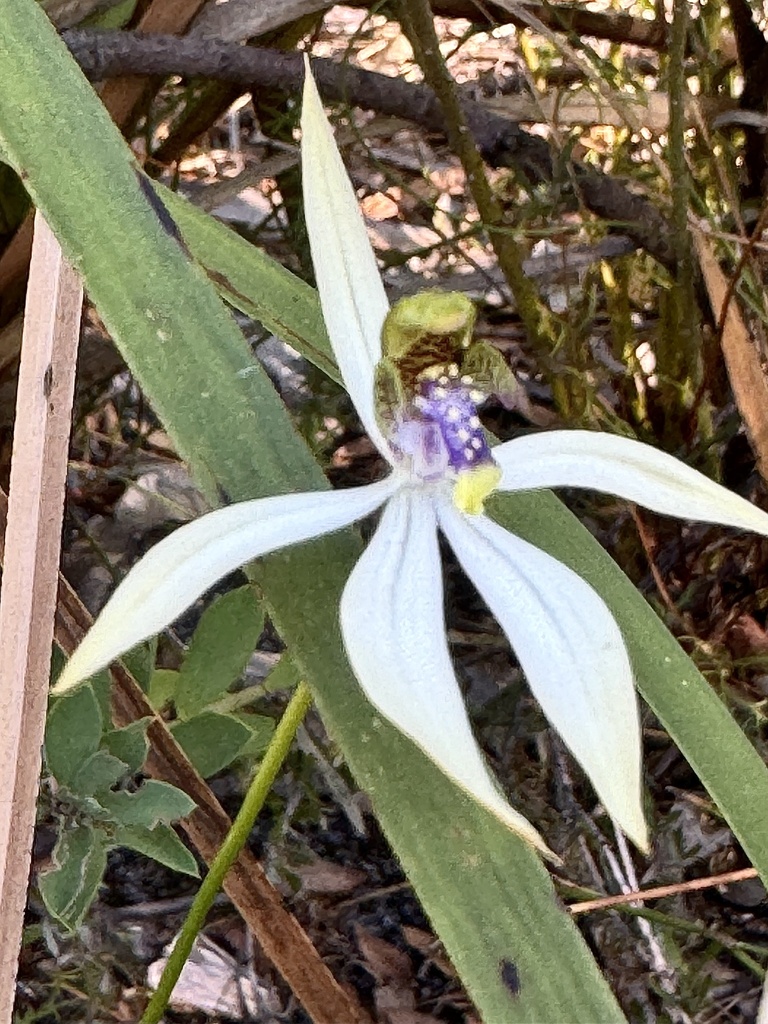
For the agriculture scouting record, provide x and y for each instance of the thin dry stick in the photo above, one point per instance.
(747, 256)
(626, 110)
(278, 932)
(28, 598)
(662, 890)
(648, 543)
(679, 356)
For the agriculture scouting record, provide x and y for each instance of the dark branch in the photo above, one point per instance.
(502, 143)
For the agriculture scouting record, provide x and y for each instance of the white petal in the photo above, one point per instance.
(175, 572)
(630, 469)
(351, 293)
(571, 651)
(762, 1010)
(394, 632)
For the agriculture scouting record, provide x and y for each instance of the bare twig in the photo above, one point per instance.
(529, 17)
(678, 355)
(657, 893)
(123, 96)
(573, 18)
(648, 542)
(67, 13)
(32, 539)
(582, 106)
(663, 971)
(747, 256)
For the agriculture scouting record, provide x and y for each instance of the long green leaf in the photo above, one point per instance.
(695, 717)
(254, 283)
(486, 892)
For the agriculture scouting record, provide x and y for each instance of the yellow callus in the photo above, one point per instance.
(473, 487)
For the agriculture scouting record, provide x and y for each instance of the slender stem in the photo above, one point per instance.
(679, 353)
(678, 167)
(236, 839)
(417, 20)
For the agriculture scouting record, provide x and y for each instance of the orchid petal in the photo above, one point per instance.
(351, 293)
(175, 572)
(394, 632)
(571, 651)
(627, 468)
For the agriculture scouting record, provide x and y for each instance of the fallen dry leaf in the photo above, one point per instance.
(386, 962)
(429, 947)
(323, 878)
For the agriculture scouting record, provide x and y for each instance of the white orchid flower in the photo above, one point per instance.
(421, 412)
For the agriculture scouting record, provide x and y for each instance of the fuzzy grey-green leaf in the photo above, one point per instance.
(219, 650)
(129, 743)
(72, 733)
(71, 885)
(211, 741)
(98, 774)
(161, 844)
(153, 803)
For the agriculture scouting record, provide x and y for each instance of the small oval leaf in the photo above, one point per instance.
(154, 802)
(69, 888)
(219, 651)
(161, 844)
(72, 734)
(211, 741)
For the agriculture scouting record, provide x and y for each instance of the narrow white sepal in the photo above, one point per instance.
(175, 572)
(571, 651)
(351, 293)
(762, 1010)
(394, 633)
(627, 468)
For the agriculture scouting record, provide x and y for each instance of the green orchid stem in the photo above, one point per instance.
(236, 839)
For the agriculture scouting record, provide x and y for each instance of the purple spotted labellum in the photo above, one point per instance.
(450, 404)
(439, 432)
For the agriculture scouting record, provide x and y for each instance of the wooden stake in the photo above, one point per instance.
(30, 574)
